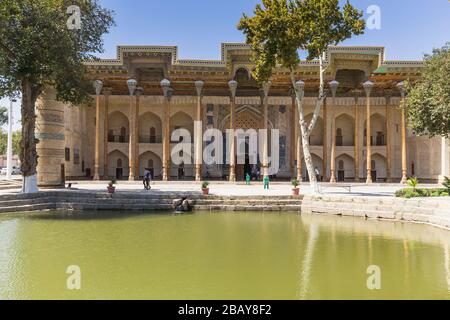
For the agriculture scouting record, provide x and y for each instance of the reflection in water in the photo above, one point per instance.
(220, 256)
(447, 264)
(307, 261)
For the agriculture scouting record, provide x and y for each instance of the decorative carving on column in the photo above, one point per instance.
(368, 87)
(265, 101)
(98, 85)
(167, 91)
(132, 85)
(401, 87)
(233, 87)
(107, 92)
(333, 86)
(199, 132)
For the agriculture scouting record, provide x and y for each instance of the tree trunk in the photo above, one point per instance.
(28, 154)
(307, 128)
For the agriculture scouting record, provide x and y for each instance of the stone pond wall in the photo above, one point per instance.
(429, 211)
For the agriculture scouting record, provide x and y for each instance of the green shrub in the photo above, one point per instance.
(413, 182)
(421, 193)
(446, 184)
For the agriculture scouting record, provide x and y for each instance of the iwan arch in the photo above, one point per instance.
(123, 134)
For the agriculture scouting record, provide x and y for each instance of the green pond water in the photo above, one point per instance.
(219, 256)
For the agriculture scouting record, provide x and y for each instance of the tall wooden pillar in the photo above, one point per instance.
(388, 139)
(233, 87)
(98, 85)
(325, 142)
(107, 93)
(404, 180)
(265, 101)
(334, 86)
(368, 86)
(357, 140)
(139, 93)
(198, 132)
(165, 84)
(293, 139)
(132, 142)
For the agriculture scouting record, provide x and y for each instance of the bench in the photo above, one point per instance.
(322, 187)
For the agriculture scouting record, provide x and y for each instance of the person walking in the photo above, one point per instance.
(147, 179)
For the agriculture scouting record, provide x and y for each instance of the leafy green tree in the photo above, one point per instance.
(40, 48)
(3, 116)
(4, 142)
(280, 28)
(428, 100)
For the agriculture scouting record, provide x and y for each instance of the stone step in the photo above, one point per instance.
(29, 208)
(287, 208)
(115, 207)
(248, 202)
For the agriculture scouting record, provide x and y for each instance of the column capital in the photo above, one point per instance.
(368, 87)
(401, 87)
(199, 87)
(132, 84)
(98, 86)
(334, 86)
(233, 87)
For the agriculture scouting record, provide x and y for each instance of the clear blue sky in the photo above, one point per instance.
(409, 28)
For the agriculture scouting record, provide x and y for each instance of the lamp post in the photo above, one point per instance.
(9, 153)
(368, 87)
(333, 86)
(233, 87)
(401, 87)
(98, 86)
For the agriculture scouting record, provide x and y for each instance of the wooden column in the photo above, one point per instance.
(199, 132)
(368, 86)
(325, 142)
(265, 101)
(357, 141)
(233, 87)
(293, 139)
(98, 85)
(298, 145)
(404, 180)
(139, 93)
(165, 84)
(132, 143)
(107, 93)
(388, 139)
(334, 86)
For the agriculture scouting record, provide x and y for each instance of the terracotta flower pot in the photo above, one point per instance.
(111, 189)
(296, 191)
(205, 191)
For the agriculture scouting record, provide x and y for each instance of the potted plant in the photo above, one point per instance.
(296, 189)
(205, 188)
(111, 187)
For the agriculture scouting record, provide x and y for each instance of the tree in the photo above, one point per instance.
(427, 102)
(280, 28)
(39, 48)
(4, 142)
(3, 116)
